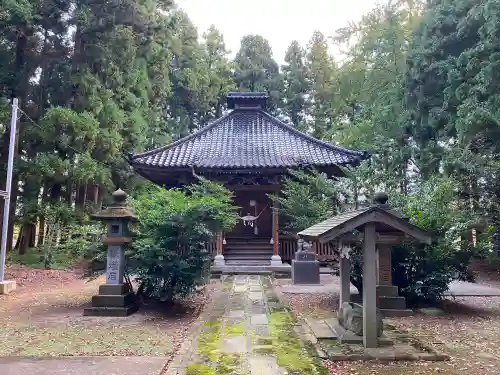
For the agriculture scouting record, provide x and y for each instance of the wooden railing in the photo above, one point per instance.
(212, 248)
(288, 248)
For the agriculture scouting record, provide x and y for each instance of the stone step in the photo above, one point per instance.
(264, 241)
(111, 311)
(252, 262)
(248, 246)
(393, 303)
(248, 256)
(247, 251)
(392, 313)
(320, 329)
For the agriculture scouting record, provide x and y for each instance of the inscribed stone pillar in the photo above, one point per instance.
(115, 265)
(369, 287)
(384, 262)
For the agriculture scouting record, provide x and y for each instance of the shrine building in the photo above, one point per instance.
(250, 152)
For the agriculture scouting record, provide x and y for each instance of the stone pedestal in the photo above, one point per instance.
(115, 297)
(276, 261)
(219, 260)
(305, 269)
(7, 286)
(112, 300)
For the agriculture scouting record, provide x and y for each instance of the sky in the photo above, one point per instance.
(279, 21)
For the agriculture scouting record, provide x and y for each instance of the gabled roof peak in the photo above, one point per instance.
(247, 100)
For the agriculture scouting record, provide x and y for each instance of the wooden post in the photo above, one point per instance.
(276, 259)
(219, 258)
(369, 288)
(345, 280)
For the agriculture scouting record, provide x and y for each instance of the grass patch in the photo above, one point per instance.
(234, 330)
(37, 259)
(290, 354)
(199, 369)
(214, 361)
(84, 340)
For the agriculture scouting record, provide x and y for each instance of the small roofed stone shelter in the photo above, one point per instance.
(378, 228)
(250, 152)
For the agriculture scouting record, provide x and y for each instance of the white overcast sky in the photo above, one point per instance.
(279, 21)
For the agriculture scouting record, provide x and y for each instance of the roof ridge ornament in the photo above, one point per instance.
(247, 100)
(380, 199)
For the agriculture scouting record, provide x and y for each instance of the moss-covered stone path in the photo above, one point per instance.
(248, 332)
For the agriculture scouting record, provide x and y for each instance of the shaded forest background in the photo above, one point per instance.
(416, 84)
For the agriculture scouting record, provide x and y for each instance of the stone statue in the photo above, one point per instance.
(350, 317)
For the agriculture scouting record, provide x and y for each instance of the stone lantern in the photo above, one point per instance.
(115, 297)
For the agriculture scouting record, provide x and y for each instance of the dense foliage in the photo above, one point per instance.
(169, 258)
(307, 198)
(415, 84)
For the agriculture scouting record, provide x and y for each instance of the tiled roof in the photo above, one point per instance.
(325, 226)
(385, 217)
(247, 138)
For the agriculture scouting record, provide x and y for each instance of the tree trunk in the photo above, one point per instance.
(41, 230)
(26, 238)
(81, 197)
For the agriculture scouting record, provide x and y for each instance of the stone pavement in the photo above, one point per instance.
(82, 365)
(248, 332)
(331, 284)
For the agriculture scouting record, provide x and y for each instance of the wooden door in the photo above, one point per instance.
(253, 204)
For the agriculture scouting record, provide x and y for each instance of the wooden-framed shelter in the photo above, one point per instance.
(377, 228)
(250, 152)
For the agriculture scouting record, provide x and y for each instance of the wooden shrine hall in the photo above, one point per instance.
(250, 152)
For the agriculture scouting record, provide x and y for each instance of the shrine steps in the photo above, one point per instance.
(244, 250)
(283, 271)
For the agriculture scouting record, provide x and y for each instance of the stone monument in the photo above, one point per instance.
(115, 297)
(350, 317)
(305, 267)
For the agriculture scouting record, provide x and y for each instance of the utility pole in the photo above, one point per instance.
(7, 286)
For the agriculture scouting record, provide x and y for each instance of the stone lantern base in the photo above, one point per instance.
(112, 300)
(305, 269)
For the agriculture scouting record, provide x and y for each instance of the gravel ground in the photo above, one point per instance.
(469, 332)
(44, 317)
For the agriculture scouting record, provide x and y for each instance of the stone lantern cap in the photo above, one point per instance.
(118, 210)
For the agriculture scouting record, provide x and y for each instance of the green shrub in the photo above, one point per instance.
(308, 198)
(169, 255)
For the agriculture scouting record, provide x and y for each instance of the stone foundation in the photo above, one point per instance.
(7, 286)
(112, 300)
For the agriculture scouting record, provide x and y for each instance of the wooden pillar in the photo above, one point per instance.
(219, 257)
(369, 287)
(276, 259)
(345, 280)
